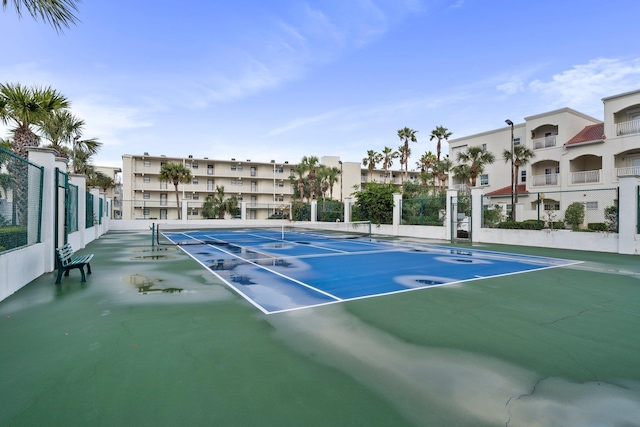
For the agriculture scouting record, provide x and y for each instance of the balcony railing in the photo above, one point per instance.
(628, 171)
(628, 128)
(584, 177)
(546, 142)
(544, 180)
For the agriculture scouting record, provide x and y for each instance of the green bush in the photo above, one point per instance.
(515, 225)
(13, 237)
(574, 215)
(611, 218)
(597, 226)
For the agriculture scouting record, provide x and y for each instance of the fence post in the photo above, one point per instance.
(314, 210)
(627, 208)
(476, 213)
(346, 202)
(451, 215)
(45, 157)
(397, 211)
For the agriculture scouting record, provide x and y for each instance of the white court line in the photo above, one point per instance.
(320, 291)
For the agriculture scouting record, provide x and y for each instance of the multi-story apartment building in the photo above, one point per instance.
(572, 153)
(266, 187)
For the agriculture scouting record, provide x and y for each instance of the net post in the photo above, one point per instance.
(153, 234)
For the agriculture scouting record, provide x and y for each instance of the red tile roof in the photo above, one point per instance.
(506, 191)
(592, 133)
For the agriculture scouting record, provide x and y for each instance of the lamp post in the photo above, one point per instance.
(513, 178)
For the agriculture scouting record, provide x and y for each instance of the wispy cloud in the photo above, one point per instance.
(584, 83)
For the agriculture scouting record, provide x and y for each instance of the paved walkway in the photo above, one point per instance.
(152, 339)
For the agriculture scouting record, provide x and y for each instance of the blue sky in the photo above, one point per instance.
(280, 79)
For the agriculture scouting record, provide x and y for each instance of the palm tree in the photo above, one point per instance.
(300, 169)
(176, 173)
(332, 178)
(440, 133)
(404, 153)
(441, 171)
(405, 136)
(100, 180)
(372, 159)
(64, 130)
(426, 162)
(521, 157)
(310, 164)
(387, 160)
(58, 13)
(27, 108)
(476, 159)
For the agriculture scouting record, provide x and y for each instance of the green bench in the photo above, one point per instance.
(66, 260)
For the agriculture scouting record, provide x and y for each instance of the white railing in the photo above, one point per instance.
(584, 177)
(628, 171)
(546, 179)
(547, 141)
(628, 128)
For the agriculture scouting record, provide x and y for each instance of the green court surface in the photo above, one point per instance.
(154, 339)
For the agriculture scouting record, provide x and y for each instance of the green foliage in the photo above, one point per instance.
(611, 218)
(424, 211)
(13, 236)
(574, 215)
(300, 211)
(330, 211)
(493, 216)
(374, 203)
(597, 226)
(515, 225)
(215, 206)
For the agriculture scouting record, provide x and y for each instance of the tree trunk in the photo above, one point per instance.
(178, 202)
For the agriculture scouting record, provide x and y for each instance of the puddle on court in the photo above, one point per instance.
(154, 254)
(146, 285)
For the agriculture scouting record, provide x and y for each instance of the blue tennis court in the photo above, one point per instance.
(277, 272)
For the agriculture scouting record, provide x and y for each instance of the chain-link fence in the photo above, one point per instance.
(424, 211)
(20, 201)
(330, 211)
(71, 208)
(591, 209)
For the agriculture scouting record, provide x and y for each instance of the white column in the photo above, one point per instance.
(628, 215)
(243, 211)
(476, 212)
(46, 157)
(347, 208)
(451, 213)
(314, 211)
(397, 212)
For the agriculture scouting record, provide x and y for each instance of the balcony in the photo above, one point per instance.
(628, 171)
(628, 128)
(545, 180)
(585, 177)
(545, 142)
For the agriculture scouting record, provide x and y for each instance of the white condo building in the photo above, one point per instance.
(573, 153)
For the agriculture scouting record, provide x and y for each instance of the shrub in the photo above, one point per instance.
(611, 218)
(524, 225)
(493, 216)
(597, 226)
(574, 215)
(13, 236)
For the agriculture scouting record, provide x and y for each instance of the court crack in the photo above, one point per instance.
(513, 398)
(566, 317)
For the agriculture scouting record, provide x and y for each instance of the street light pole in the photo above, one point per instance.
(513, 178)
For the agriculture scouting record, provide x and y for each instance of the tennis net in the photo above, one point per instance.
(247, 235)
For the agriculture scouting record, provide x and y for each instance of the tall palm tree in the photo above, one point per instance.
(441, 171)
(387, 160)
(27, 108)
(426, 162)
(332, 178)
(58, 13)
(64, 130)
(405, 134)
(100, 180)
(310, 165)
(176, 173)
(300, 169)
(440, 133)
(521, 157)
(404, 152)
(372, 159)
(476, 159)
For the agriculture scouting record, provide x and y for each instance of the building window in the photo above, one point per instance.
(523, 176)
(146, 211)
(552, 206)
(280, 183)
(147, 164)
(484, 147)
(194, 165)
(188, 165)
(253, 171)
(146, 179)
(239, 167)
(592, 206)
(188, 196)
(209, 185)
(196, 197)
(163, 199)
(484, 179)
(195, 181)
(163, 185)
(516, 141)
(146, 196)
(233, 167)
(209, 169)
